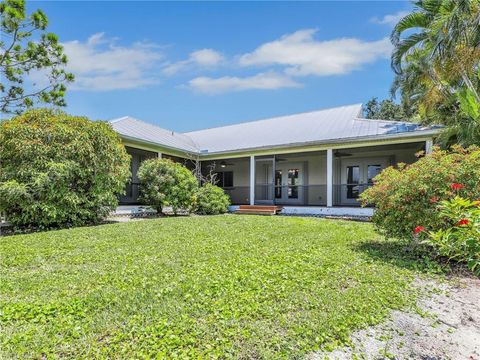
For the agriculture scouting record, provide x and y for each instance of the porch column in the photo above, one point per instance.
(252, 180)
(428, 146)
(329, 177)
(159, 155)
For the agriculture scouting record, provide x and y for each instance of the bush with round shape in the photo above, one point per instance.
(59, 170)
(211, 200)
(166, 183)
(407, 196)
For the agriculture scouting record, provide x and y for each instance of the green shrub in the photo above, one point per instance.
(407, 196)
(166, 183)
(212, 200)
(59, 170)
(459, 238)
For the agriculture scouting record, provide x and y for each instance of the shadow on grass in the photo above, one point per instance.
(403, 255)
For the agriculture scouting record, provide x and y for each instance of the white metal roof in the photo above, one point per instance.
(342, 123)
(138, 130)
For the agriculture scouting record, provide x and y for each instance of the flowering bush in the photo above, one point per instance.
(459, 237)
(407, 197)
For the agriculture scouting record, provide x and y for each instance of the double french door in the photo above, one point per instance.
(289, 183)
(279, 183)
(357, 175)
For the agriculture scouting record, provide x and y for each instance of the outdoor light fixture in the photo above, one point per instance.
(223, 164)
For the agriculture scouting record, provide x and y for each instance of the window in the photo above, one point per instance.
(278, 184)
(293, 179)
(372, 171)
(224, 179)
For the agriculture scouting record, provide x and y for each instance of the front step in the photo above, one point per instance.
(258, 209)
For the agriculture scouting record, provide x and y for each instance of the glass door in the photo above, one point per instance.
(289, 187)
(357, 175)
(353, 182)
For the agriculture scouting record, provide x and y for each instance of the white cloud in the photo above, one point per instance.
(390, 19)
(101, 65)
(262, 81)
(302, 55)
(203, 57)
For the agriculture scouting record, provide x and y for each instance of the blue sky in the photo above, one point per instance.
(186, 66)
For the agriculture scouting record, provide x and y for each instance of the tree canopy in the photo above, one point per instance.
(27, 49)
(386, 109)
(436, 60)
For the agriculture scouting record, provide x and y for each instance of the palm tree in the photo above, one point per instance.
(447, 34)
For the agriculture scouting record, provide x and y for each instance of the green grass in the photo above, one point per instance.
(193, 287)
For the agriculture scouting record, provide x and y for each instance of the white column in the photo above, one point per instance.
(159, 155)
(252, 180)
(428, 146)
(329, 177)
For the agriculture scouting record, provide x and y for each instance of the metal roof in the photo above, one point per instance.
(336, 124)
(138, 130)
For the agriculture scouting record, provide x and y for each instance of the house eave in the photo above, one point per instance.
(151, 145)
(298, 146)
(324, 144)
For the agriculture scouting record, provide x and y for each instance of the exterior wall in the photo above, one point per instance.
(239, 193)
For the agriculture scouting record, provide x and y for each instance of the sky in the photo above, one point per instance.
(191, 65)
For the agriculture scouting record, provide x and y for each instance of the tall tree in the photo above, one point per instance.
(436, 59)
(386, 109)
(26, 48)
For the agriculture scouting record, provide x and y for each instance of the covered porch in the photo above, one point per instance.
(309, 180)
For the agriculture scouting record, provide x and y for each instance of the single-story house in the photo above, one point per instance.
(316, 162)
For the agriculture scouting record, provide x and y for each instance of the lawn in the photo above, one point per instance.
(192, 287)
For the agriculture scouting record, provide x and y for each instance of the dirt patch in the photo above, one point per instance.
(446, 325)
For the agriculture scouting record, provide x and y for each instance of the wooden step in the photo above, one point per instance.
(259, 209)
(254, 212)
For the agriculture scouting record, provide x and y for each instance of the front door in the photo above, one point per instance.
(357, 175)
(289, 185)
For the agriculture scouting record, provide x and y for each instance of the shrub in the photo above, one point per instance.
(59, 170)
(407, 196)
(166, 183)
(212, 200)
(459, 237)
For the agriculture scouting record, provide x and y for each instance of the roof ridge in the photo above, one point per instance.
(118, 119)
(147, 123)
(272, 118)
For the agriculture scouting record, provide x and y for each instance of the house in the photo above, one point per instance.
(315, 162)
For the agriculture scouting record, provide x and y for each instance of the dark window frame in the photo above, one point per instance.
(224, 182)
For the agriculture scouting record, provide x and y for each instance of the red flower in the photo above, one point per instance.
(456, 186)
(433, 200)
(462, 222)
(419, 229)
